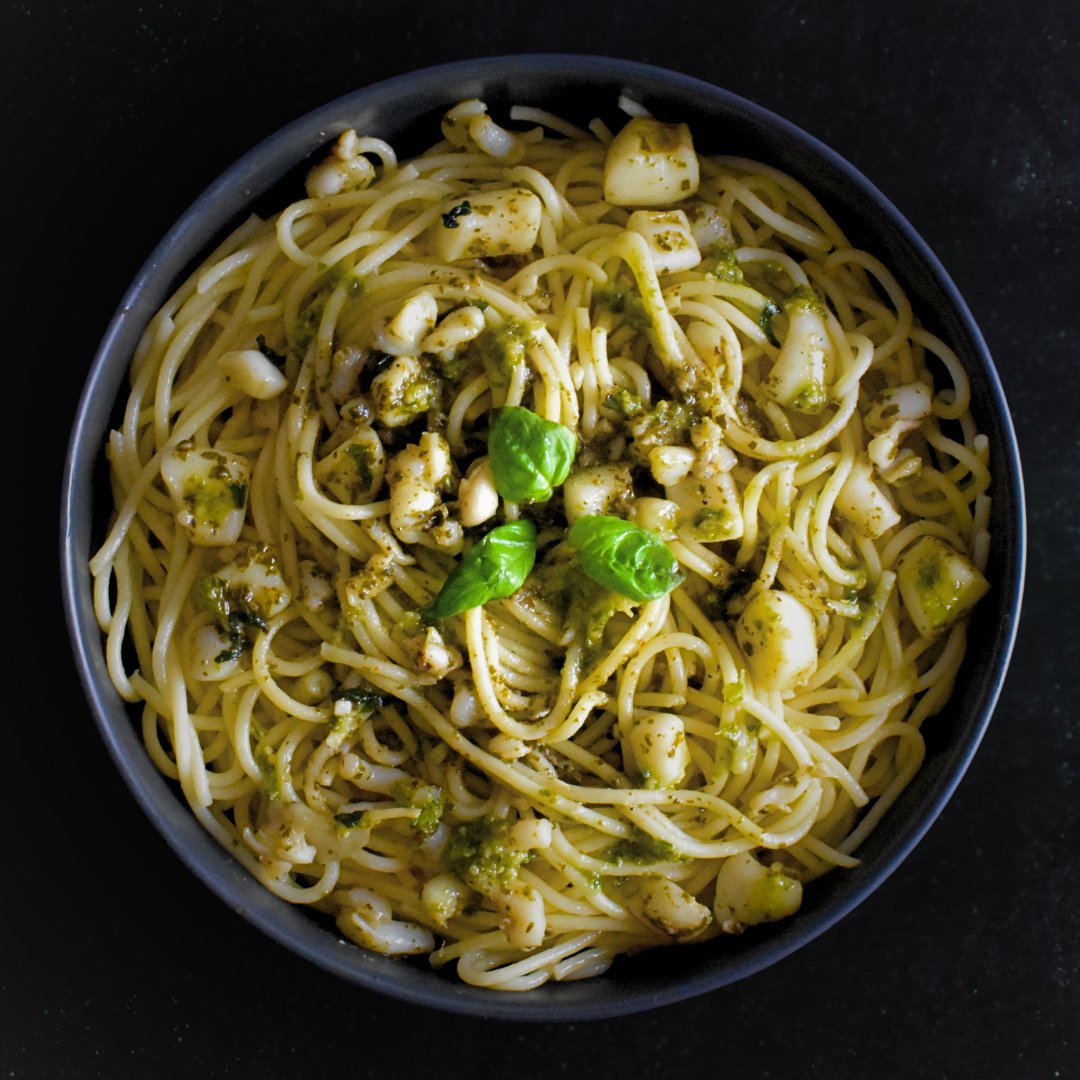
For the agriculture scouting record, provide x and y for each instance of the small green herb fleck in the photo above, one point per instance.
(765, 321)
(450, 218)
(276, 358)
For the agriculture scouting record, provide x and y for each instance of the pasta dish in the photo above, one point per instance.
(542, 549)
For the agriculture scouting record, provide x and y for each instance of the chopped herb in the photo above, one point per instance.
(355, 820)
(450, 218)
(275, 358)
(367, 701)
(765, 321)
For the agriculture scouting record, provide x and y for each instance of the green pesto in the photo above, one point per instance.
(623, 401)
(271, 776)
(233, 611)
(426, 798)
(667, 423)
(624, 302)
(774, 897)
(803, 298)
(586, 606)
(735, 748)
(940, 593)
(478, 853)
(342, 727)
(724, 266)
(642, 849)
(732, 693)
(810, 398)
(307, 322)
(363, 458)
(213, 499)
(711, 525)
(500, 350)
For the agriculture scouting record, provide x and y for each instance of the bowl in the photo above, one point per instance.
(405, 111)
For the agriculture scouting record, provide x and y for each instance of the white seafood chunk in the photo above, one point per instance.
(658, 744)
(748, 893)
(671, 910)
(650, 163)
(254, 581)
(776, 634)
(670, 464)
(524, 919)
(707, 225)
(248, 370)
(367, 918)
(892, 415)
(443, 897)
(478, 498)
(671, 243)
(429, 655)
(403, 391)
(709, 505)
(353, 472)
(402, 332)
(598, 489)
(457, 328)
(660, 516)
(208, 644)
(485, 224)
(797, 379)
(418, 477)
(210, 490)
(864, 504)
(467, 125)
(937, 584)
(346, 169)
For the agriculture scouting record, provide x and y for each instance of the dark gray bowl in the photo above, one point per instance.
(405, 111)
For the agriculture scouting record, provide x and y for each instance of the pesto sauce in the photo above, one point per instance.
(641, 849)
(725, 266)
(624, 302)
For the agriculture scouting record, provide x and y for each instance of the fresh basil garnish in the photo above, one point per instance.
(529, 456)
(492, 568)
(623, 557)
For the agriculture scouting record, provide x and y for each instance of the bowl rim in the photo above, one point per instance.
(203, 221)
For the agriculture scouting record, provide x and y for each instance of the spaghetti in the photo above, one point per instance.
(543, 549)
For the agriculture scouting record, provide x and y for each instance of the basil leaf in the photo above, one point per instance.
(529, 456)
(623, 557)
(492, 568)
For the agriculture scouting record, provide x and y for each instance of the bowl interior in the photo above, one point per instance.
(405, 111)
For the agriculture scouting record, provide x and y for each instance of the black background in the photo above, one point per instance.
(964, 964)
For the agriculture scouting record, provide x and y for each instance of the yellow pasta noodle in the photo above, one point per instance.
(543, 549)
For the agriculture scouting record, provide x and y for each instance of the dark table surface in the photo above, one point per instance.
(965, 963)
